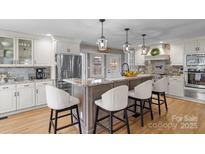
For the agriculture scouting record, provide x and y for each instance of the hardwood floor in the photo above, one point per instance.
(183, 117)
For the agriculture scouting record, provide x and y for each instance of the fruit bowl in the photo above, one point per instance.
(130, 74)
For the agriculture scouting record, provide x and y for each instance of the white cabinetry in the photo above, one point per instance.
(177, 53)
(67, 46)
(25, 95)
(8, 98)
(194, 46)
(41, 92)
(139, 58)
(176, 86)
(43, 52)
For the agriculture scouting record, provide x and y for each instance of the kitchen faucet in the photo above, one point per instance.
(122, 68)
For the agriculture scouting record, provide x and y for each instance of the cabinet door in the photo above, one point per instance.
(6, 51)
(177, 53)
(176, 87)
(64, 46)
(25, 52)
(8, 98)
(201, 44)
(41, 92)
(42, 52)
(139, 59)
(26, 95)
(190, 46)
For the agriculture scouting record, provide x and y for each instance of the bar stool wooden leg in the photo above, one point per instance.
(165, 101)
(56, 122)
(50, 120)
(96, 119)
(79, 125)
(158, 97)
(141, 113)
(150, 106)
(127, 121)
(71, 115)
(111, 121)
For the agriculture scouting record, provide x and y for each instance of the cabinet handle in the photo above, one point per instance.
(14, 93)
(36, 91)
(5, 87)
(68, 50)
(26, 85)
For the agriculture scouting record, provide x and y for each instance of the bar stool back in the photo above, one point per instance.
(113, 101)
(61, 101)
(142, 93)
(159, 89)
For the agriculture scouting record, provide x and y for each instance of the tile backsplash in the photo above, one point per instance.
(160, 67)
(22, 73)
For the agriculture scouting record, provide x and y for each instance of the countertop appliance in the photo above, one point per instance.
(68, 66)
(40, 73)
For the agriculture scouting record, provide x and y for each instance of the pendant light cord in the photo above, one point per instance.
(126, 36)
(102, 31)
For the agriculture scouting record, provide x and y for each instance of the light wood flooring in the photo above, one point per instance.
(183, 117)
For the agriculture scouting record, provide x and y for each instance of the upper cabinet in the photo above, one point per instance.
(177, 53)
(24, 52)
(194, 46)
(7, 50)
(43, 52)
(67, 46)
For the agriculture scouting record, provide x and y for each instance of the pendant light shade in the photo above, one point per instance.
(102, 42)
(126, 46)
(144, 48)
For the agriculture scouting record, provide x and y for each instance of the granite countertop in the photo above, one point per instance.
(94, 82)
(24, 81)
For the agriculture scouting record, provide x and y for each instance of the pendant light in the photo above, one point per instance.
(126, 46)
(102, 42)
(144, 49)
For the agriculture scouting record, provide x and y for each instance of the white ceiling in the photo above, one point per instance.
(88, 30)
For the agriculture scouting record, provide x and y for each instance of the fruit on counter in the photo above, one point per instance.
(130, 74)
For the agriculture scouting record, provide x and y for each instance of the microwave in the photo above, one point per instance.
(195, 59)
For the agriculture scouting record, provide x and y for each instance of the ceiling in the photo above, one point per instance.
(89, 30)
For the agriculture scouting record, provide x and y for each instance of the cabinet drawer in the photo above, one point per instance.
(7, 87)
(25, 85)
(44, 83)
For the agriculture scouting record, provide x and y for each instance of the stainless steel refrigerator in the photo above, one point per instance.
(68, 66)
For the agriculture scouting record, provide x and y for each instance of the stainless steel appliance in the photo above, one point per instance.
(195, 59)
(68, 66)
(195, 78)
(40, 73)
(194, 75)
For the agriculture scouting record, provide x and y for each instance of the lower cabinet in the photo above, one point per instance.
(41, 92)
(176, 86)
(7, 98)
(25, 95)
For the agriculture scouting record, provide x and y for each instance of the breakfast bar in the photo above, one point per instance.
(90, 90)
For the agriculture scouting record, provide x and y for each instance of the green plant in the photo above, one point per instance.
(155, 51)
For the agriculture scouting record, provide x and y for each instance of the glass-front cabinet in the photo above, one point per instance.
(25, 51)
(6, 51)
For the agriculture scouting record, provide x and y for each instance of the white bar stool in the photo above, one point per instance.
(159, 89)
(60, 101)
(142, 93)
(113, 101)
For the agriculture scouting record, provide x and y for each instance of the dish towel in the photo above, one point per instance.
(198, 76)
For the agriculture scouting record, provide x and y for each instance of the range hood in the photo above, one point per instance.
(159, 57)
(164, 52)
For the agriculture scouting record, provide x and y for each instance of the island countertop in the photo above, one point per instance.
(94, 82)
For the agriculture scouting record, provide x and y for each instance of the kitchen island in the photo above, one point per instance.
(90, 90)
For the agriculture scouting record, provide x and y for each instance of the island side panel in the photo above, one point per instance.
(93, 93)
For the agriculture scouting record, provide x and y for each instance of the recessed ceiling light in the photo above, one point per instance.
(48, 34)
(161, 42)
